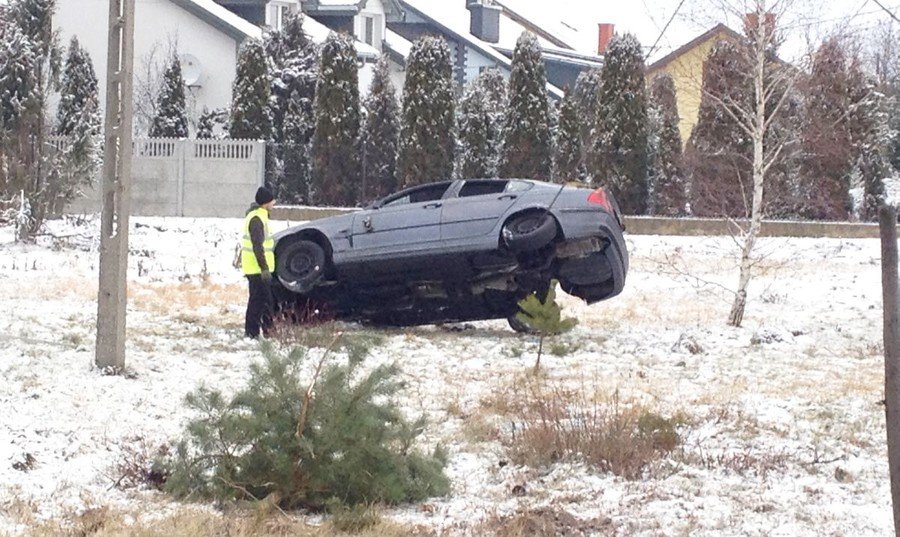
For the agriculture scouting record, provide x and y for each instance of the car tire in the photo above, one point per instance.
(519, 326)
(529, 232)
(300, 265)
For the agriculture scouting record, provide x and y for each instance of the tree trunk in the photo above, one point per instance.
(888, 221)
(759, 131)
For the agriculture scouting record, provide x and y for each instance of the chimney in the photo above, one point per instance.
(485, 23)
(606, 33)
(751, 24)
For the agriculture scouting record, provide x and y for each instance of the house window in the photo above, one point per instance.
(369, 30)
(276, 14)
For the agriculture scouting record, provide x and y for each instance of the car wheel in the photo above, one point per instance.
(529, 232)
(518, 326)
(300, 265)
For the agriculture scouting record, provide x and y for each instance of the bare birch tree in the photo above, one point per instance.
(772, 82)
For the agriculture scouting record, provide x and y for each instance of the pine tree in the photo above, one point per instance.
(568, 161)
(544, 318)
(527, 144)
(718, 152)
(250, 116)
(171, 109)
(335, 155)
(427, 133)
(308, 429)
(668, 192)
(479, 127)
(381, 136)
(619, 152)
(293, 61)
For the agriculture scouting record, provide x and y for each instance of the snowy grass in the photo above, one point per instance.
(782, 431)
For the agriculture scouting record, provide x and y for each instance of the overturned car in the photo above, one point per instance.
(454, 251)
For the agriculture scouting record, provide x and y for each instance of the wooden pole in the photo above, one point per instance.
(887, 217)
(112, 296)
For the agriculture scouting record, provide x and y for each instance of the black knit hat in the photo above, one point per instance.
(263, 196)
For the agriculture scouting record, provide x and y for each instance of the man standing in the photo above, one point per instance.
(257, 262)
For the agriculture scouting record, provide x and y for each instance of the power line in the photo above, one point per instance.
(886, 10)
(661, 33)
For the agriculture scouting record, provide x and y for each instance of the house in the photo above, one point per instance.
(203, 34)
(481, 34)
(685, 65)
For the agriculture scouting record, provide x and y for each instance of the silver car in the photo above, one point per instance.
(454, 251)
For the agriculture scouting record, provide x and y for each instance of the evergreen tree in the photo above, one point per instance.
(587, 95)
(479, 121)
(718, 152)
(294, 69)
(206, 124)
(30, 59)
(544, 318)
(527, 143)
(335, 153)
(381, 136)
(171, 110)
(250, 116)
(568, 162)
(668, 192)
(346, 442)
(78, 118)
(427, 134)
(870, 135)
(619, 151)
(828, 153)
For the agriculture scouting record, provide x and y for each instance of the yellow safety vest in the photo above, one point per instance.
(248, 258)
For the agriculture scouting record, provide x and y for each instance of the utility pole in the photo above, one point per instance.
(112, 296)
(887, 217)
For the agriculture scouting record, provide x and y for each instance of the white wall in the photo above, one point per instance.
(475, 61)
(157, 22)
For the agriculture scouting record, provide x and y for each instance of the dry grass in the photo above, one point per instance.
(553, 423)
(186, 298)
(544, 522)
(252, 521)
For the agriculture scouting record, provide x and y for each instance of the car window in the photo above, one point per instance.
(518, 186)
(418, 195)
(481, 188)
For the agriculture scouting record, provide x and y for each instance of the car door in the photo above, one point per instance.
(474, 212)
(405, 224)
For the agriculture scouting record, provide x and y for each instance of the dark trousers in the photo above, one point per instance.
(259, 307)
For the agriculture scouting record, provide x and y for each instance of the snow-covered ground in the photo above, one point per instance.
(784, 432)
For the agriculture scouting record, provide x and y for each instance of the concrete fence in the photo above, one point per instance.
(182, 177)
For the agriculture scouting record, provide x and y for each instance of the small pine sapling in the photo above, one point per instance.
(544, 318)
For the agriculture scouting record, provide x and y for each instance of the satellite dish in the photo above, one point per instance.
(191, 70)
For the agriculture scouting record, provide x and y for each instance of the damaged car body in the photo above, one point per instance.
(454, 251)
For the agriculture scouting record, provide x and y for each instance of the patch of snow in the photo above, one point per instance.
(784, 432)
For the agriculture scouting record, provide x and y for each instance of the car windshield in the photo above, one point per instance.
(417, 195)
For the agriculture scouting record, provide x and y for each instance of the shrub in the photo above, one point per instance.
(334, 437)
(563, 425)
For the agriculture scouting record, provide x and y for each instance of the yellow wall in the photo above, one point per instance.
(687, 73)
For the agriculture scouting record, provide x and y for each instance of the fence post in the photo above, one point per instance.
(887, 217)
(181, 155)
(261, 162)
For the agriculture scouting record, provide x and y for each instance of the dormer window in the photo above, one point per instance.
(277, 12)
(369, 28)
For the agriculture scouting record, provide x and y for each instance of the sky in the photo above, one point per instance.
(646, 18)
